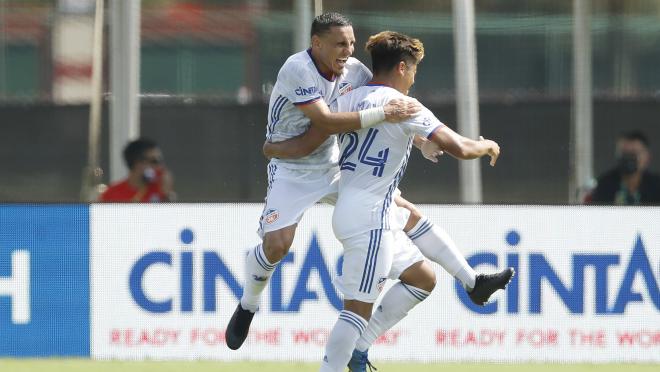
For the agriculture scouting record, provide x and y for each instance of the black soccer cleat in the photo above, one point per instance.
(238, 327)
(487, 284)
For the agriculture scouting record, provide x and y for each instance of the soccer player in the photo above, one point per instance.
(306, 81)
(372, 163)
(306, 170)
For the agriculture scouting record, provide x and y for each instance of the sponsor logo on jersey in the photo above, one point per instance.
(306, 91)
(271, 216)
(344, 88)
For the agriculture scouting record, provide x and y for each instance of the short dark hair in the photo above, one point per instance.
(324, 22)
(388, 48)
(635, 135)
(135, 150)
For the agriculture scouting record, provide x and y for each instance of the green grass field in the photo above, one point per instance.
(70, 365)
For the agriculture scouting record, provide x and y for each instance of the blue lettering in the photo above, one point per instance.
(214, 267)
(276, 284)
(639, 263)
(539, 269)
(513, 289)
(135, 282)
(600, 264)
(306, 91)
(186, 281)
(512, 260)
(313, 260)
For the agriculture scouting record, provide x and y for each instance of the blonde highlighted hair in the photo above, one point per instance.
(388, 48)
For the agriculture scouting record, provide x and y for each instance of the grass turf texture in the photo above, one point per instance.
(73, 365)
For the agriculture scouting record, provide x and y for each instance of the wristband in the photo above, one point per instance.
(371, 117)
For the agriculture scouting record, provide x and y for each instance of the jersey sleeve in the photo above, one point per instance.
(298, 84)
(423, 124)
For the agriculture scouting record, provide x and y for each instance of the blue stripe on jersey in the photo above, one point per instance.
(275, 112)
(384, 221)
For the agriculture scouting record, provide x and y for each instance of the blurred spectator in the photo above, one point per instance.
(629, 183)
(148, 179)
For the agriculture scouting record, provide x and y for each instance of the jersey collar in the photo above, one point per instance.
(331, 78)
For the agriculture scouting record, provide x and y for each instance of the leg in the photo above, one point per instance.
(348, 328)
(417, 282)
(367, 262)
(259, 266)
(436, 245)
(286, 201)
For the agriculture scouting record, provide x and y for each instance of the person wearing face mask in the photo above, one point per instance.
(148, 179)
(630, 182)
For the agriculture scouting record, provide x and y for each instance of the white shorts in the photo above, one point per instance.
(370, 259)
(292, 191)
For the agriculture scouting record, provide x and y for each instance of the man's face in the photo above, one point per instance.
(334, 47)
(630, 148)
(150, 164)
(409, 75)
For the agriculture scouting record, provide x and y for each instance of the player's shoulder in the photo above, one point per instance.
(295, 64)
(354, 63)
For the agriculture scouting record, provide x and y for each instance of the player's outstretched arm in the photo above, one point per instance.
(430, 150)
(465, 148)
(296, 147)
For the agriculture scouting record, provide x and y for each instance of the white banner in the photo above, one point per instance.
(166, 279)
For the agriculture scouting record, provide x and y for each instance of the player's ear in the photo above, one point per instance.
(401, 68)
(316, 41)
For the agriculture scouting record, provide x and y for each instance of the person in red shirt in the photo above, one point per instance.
(148, 179)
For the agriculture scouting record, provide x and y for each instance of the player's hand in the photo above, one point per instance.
(431, 150)
(400, 109)
(493, 150)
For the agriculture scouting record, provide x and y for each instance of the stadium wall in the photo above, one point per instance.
(161, 281)
(214, 150)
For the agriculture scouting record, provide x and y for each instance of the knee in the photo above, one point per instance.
(420, 275)
(428, 282)
(276, 245)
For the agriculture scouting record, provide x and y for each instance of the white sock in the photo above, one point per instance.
(395, 305)
(436, 245)
(341, 342)
(257, 273)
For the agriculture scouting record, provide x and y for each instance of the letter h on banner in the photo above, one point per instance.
(17, 287)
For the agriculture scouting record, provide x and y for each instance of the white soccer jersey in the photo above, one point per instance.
(300, 82)
(372, 162)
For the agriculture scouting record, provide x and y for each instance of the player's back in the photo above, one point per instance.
(372, 162)
(299, 82)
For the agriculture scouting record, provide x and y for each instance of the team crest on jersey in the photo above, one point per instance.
(381, 284)
(344, 88)
(427, 122)
(271, 216)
